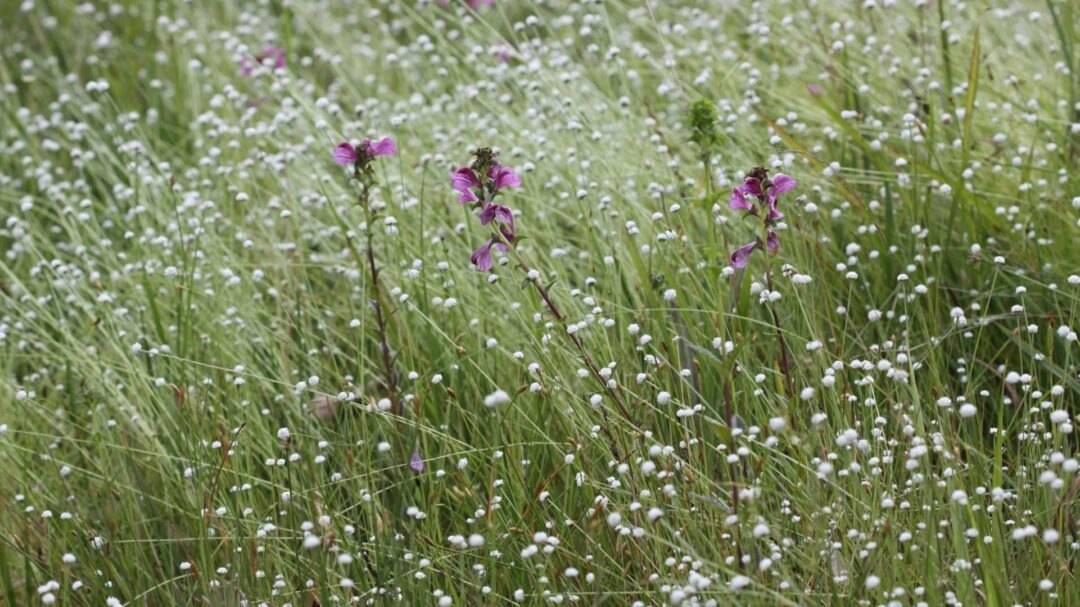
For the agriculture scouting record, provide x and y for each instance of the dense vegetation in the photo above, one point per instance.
(603, 302)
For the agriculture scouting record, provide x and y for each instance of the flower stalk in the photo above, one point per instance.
(758, 196)
(361, 159)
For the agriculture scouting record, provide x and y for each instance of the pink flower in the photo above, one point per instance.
(773, 215)
(481, 258)
(382, 147)
(502, 216)
(468, 184)
(345, 153)
(464, 180)
(773, 243)
(478, 185)
(758, 185)
(416, 462)
(751, 186)
(502, 51)
(247, 65)
(742, 254)
(766, 190)
(782, 183)
(504, 177)
(739, 201)
(498, 212)
(468, 197)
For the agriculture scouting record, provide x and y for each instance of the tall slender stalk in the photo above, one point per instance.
(785, 359)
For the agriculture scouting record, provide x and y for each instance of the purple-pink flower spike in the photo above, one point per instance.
(477, 185)
(757, 186)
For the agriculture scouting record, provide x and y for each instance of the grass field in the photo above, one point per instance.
(667, 302)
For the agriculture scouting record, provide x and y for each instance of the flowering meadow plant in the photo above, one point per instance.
(347, 155)
(758, 196)
(677, 303)
(477, 186)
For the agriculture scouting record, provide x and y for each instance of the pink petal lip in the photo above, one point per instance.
(345, 154)
(741, 255)
(384, 147)
(481, 257)
(463, 179)
(467, 197)
(416, 462)
(739, 201)
(504, 177)
(782, 183)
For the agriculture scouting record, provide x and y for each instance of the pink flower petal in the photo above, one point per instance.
(345, 154)
(481, 257)
(782, 183)
(504, 177)
(384, 147)
(739, 201)
(416, 462)
(774, 215)
(467, 197)
(742, 254)
(751, 186)
(773, 243)
(463, 179)
(504, 215)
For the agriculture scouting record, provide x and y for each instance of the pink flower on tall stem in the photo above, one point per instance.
(346, 154)
(477, 186)
(757, 195)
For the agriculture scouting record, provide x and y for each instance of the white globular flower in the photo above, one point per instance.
(496, 398)
(739, 582)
